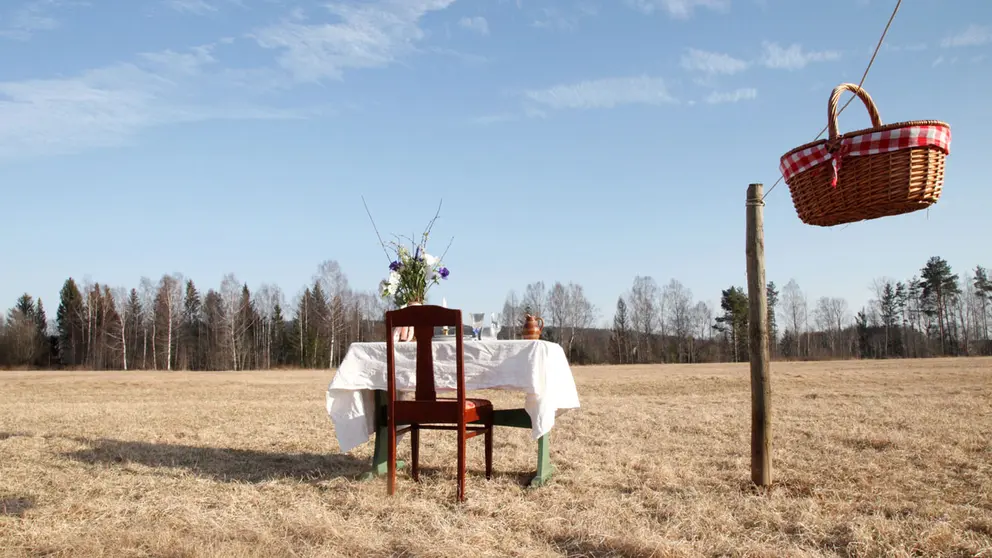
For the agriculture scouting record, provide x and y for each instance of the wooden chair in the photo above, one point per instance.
(427, 411)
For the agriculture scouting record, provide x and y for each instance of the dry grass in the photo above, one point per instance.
(871, 459)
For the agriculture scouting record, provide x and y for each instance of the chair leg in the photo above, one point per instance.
(461, 462)
(415, 451)
(391, 458)
(489, 451)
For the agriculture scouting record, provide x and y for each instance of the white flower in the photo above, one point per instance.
(430, 260)
(394, 281)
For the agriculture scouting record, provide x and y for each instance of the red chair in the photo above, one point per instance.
(427, 411)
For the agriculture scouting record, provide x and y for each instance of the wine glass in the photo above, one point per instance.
(477, 319)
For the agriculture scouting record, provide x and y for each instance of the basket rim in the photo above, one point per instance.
(870, 130)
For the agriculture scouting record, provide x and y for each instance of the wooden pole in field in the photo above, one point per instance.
(761, 391)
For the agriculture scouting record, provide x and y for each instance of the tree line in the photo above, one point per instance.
(171, 325)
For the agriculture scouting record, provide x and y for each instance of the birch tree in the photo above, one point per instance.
(170, 301)
(334, 284)
(146, 291)
(644, 315)
(678, 303)
(121, 301)
(794, 311)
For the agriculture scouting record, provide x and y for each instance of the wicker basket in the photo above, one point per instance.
(867, 174)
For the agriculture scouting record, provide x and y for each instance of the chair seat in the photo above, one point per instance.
(469, 403)
(443, 410)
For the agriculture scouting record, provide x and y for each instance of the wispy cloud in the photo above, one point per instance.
(555, 19)
(31, 17)
(198, 7)
(678, 9)
(793, 57)
(477, 24)
(973, 35)
(604, 93)
(495, 118)
(914, 47)
(107, 106)
(743, 94)
(368, 35)
(712, 62)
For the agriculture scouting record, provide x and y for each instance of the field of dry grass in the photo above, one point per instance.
(871, 459)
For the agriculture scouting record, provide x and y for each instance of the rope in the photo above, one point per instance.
(863, 76)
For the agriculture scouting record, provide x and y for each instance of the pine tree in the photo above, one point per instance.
(734, 321)
(191, 329)
(621, 333)
(983, 289)
(22, 332)
(280, 348)
(71, 329)
(939, 289)
(772, 295)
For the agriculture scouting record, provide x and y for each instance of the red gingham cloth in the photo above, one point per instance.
(866, 144)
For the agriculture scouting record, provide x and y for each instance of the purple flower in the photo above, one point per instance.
(444, 272)
(395, 266)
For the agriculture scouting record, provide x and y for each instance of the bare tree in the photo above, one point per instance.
(535, 298)
(170, 295)
(580, 314)
(147, 296)
(558, 309)
(794, 311)
(644, 313)
(702, 325)
(123, 309)
(334, 283)
(265, 303)
(512, 315)
(678, 303)
(234, 327)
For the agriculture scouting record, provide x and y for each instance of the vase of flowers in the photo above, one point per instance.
(412, 273)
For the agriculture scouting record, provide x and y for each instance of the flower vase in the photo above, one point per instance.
(406, 333)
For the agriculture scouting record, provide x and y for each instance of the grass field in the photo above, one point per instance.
(871, 459)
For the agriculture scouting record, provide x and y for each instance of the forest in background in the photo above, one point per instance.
(172, 325)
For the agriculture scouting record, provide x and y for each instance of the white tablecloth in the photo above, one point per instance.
(537, 368)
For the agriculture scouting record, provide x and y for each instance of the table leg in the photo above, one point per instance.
(544, 467)
(381, 451)
(518, 418)
(514, 418)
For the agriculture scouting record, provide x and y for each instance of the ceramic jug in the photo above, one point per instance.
(533, 325)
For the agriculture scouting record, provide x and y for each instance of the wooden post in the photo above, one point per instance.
(761, 459)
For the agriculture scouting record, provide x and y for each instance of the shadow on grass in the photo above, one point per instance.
(15, 506)
(604, 548)
(223, 464)
(522, 478)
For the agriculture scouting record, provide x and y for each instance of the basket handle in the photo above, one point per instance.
(876, 120)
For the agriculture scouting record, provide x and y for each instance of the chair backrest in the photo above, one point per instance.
(423, 319)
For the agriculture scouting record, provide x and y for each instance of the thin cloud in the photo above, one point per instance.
(604, 93)
(196, 7)
(793, 57)
(743, 94)
(108, 106)
(678, 9)
(494, 118)
(30, 18)
(712, 62)
(477, 24)
(370, 35)
(973, 35)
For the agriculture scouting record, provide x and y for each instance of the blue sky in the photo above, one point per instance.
(572, 140)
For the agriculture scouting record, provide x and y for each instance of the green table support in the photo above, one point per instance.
(514, 418)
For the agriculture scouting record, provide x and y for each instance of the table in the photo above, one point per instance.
(356, 397)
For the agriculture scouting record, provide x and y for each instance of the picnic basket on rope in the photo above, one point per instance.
(870, 173)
